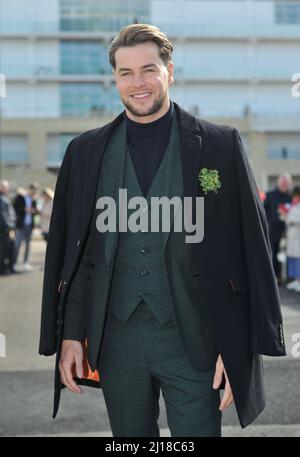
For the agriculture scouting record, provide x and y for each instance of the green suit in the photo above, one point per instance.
(141, 350)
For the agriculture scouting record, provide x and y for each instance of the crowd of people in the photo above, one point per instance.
(19, 215)
(282, 206)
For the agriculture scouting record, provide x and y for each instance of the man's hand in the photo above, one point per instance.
(71, 353)
(227, 398)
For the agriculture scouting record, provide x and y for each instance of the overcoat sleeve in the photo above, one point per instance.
(76, 301)
(54, 259)
(264, 299)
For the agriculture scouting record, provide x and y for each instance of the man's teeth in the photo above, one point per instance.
(141, 95)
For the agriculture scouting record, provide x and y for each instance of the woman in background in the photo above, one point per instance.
(46, 210)
(292, 221)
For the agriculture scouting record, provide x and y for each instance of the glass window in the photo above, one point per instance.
(84, 57)
(282, 145)
(101, 15)
(56, 148)
(287, 13)
(13, 149)
(88, 99)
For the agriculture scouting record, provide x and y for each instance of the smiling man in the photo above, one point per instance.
(143, 87)
(137, 313)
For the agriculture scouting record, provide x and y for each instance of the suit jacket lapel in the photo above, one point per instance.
(113, 181)
(91, 170)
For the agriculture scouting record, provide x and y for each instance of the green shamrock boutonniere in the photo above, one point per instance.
(209, 180)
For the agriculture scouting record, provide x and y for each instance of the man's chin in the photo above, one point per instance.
(140, 111)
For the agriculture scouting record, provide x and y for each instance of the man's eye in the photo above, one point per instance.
(150, 69)
(124, 74)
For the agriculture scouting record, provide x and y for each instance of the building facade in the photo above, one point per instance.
(235, 62)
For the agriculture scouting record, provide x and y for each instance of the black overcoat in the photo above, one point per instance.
(232, 265)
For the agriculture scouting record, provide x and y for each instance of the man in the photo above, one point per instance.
(7, 226)
(25, 207)
(281, 194)
(134, 312)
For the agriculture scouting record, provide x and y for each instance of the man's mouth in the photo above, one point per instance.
(141, 95)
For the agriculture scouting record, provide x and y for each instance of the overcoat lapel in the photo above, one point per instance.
(191, 154)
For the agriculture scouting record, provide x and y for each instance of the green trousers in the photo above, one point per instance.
(138, 358)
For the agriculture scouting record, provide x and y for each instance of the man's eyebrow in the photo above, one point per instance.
(144, 66)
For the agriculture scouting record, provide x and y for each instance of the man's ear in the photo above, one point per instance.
(170, 73)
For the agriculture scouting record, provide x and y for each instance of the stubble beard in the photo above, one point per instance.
(156, 106)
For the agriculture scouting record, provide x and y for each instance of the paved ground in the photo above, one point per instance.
(26, 379)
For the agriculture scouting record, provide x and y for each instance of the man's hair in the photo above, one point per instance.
(140, 33)
(33, 186)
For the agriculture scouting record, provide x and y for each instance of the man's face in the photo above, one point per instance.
(283, 184)
(143, 80)
(31, 192)
(5, 187)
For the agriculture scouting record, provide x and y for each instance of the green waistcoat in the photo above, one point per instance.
(139, 270)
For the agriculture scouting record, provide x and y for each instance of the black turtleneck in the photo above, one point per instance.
(147, 144)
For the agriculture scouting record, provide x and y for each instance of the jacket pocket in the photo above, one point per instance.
(236, 284)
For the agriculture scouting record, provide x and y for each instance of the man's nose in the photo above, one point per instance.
(138, 80)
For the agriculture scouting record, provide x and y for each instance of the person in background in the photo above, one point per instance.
(25, 207)
(7, 226)
(46, 210)
(292, 221)
(261, 194)
(274, 198)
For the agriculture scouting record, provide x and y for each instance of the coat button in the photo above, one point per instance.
(143, 272)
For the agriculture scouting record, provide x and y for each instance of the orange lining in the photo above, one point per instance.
(87, 372)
